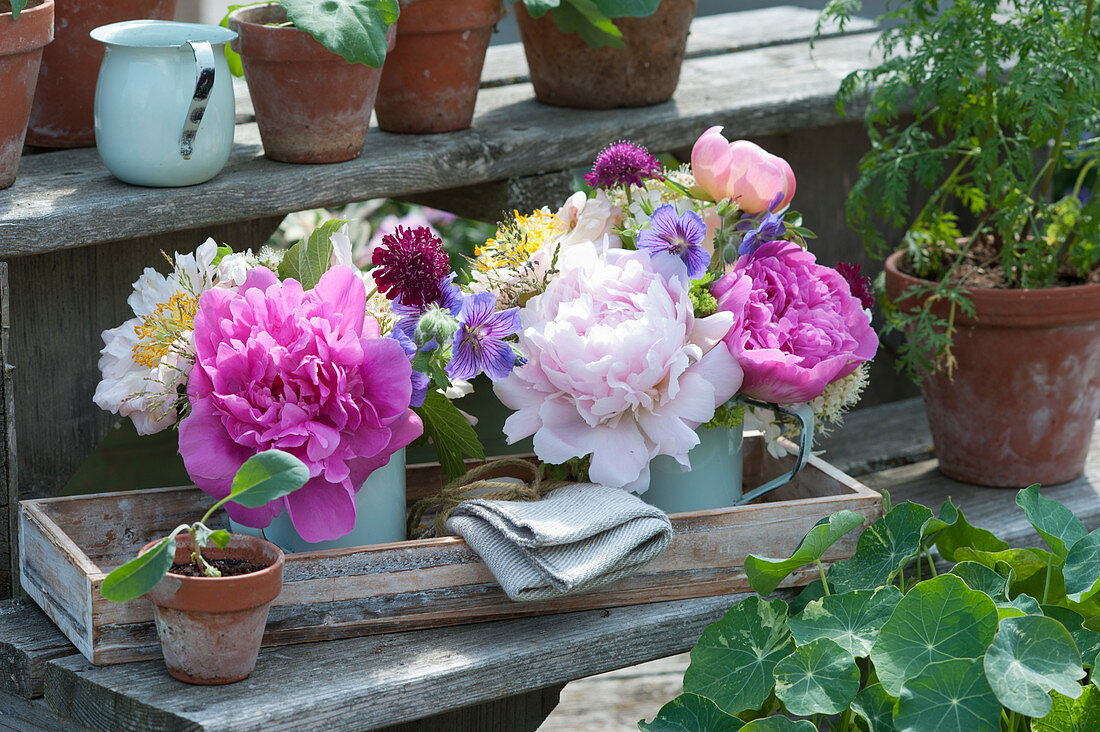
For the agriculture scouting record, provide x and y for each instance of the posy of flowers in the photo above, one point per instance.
(648, 305)
(300, 351)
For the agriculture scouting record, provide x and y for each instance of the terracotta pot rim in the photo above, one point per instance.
(474, 15)
(33, 29)
(258, 40)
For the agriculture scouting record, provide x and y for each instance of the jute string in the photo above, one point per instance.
(483, 482)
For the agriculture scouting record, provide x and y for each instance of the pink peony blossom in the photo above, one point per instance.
(742, 171)
(306, 372)
(802, 328)
(618, 366)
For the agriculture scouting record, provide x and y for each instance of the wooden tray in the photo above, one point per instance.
(67, 545)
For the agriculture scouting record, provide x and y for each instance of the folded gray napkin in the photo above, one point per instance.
(576, 538)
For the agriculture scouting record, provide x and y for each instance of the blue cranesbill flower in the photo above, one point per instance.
(479, 343)
(681, 236)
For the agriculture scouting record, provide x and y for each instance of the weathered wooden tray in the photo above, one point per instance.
(67, 545)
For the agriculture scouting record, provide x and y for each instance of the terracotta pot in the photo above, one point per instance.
(567, 73)
(311, 105)
(430, 81)
(1026, 393)
(63, 111)
(21, 43)
(210, 628)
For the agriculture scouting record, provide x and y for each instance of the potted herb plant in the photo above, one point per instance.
(24, 31)
(313, 71)
(982, 111)
(430, 80)
(1005, 640)
(211, 590)
(604, 53)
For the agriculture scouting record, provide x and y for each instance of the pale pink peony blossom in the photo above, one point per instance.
(742, 171)
(618, 365)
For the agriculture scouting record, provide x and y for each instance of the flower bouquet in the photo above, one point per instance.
(652, 309)
(298, 350)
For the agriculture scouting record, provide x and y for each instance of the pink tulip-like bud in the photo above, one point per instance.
(742, 171)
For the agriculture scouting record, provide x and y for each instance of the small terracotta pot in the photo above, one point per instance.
(63, 114)
(1023, 401)
(210, 628)
(21, 43)
(311, 105)
(567, 73)
(430, 81)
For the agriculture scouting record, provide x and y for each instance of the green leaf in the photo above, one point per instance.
(778, 723)
(765, 574)
(220, 538)
(876, 707)
(691, 713)
(1072, 715)
(1087, 641)
(17, 7)
(627, 8)
(539, 8)
(940, 619)
(140, 574)
(354, 29)
(852, 619)
(266, 476)
(1082, 568)
(1028, 568)
(452, 434)
(948, 696)
(1031, 656)
(959, 533)
(809, 593)
(310, 258)
(882, 550)
(204, 535)
(734, 660)
(584, 18)
(1019, 606)
(817, 678)
(980, 577)
(1057, 525)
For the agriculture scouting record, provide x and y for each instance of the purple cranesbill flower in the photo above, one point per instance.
(679, 235)
(420, 382)
(409, 264)
(479, 342)
(623, 163)
(857, 283)
(759, 230)
(450, 299)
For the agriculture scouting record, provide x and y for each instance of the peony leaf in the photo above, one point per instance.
(817, 678)
(691, 713)
(1071, 715)
(310, 258)
(852, 619)
(1057, 525)
(876, 707)
(765, 574)
(883, 549)
(1029, 657)
(452, 434)
(1082, 568)
(140, 574)
(948, 696)
(354, 29)
(266, 476)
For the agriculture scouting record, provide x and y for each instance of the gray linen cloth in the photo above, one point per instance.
(577, 537)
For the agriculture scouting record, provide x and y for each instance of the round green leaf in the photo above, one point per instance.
(1019, 606)
(959, 533)
(354, 29)
(883, 547)
(778, 723)
(765, 574)
(948, 696)
(876, 707)
(939, 620)
(817, 678)
(852, 619)
(1057, 525)
(1087, 641)
(140, 574)
(982, 578)
(1029, 657)
(691, 713)
(1082, 570)
(266, 476)
(1072, 715)
(733, 662)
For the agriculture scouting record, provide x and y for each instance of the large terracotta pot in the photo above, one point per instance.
(210, 628)
(311, 105)
(21, 43)
(430, 81)
(1023, 401)
(567, 73)
(63, 111)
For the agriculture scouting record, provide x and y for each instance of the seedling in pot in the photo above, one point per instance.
(264, 477)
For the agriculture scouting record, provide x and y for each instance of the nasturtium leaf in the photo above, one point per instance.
(140, 574)
(959, 533)
(982, 578)
(938, 620)
(310, 258)
(538, 8)
(452, 434)
(627, 8)
(354, 29)
(691, 713)
(1029, 569)
(734, 660)
(948, 696)
(778, 723)
(1082, 568)
(1019, 606)
(584, 18)
(266, 476)
(809, 593)
(1029, 657)
(1057, 525)
(1087, 641)
(1071, 715)
(852, 619)
(817, 678)
(876, 707)
(883, 548)
(765, 574)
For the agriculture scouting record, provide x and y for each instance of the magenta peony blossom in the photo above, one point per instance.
(306, 372)
(802, 328)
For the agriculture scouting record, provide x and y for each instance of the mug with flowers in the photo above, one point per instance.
(655, 308)
(300, 351)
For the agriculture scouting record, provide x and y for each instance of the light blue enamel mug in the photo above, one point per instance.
(164, 107)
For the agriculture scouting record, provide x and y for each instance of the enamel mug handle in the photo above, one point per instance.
(805, 416)
(204, 83)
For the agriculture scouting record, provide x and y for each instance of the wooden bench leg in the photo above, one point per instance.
(520, 713)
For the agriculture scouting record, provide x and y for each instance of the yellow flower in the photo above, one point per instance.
(518, 238)
(158, 330)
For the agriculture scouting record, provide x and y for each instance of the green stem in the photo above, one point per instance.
(1046, 585)
(198, 559)
(846, 720)
(824, 584)
(901, 578)
(931, 564)
(942, 188)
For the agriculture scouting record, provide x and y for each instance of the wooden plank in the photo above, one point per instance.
(378, 680)
(880, 437)
(28, 639)
(23, 715)
(9, 483)
(512, 136)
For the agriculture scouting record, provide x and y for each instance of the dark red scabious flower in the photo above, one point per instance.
(410, 263)
(623, 163)
(857, 283)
